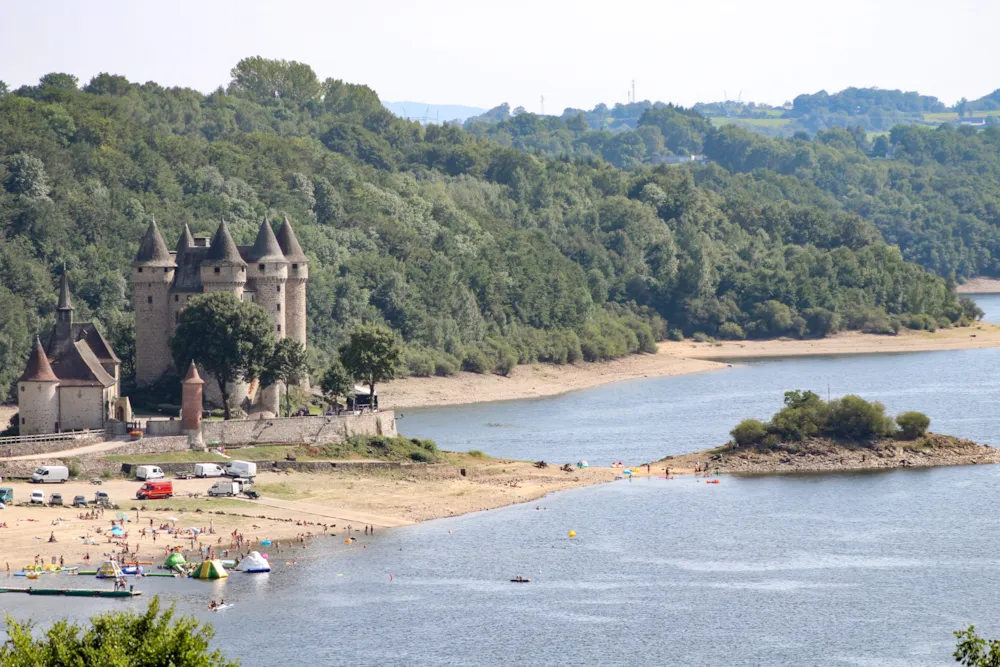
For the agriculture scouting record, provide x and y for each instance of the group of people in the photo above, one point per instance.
(213, 605)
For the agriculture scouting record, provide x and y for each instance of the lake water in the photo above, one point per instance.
(846, 569)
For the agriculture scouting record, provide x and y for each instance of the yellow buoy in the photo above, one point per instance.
(348, 540)
(572, 533)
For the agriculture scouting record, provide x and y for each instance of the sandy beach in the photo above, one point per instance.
(293, 505)
(672, 358)
(979, 286)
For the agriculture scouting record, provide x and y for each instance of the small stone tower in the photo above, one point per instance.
(222, 269)
(152, 273)
(298, 274)
(38, 394)
(267, 272)
(191, 407)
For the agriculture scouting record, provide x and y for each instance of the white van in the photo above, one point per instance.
(241, 469)
(50, 474)
(224, 489)
(148, 472)
(208, 470)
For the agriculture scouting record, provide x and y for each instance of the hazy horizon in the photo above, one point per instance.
(576, 55)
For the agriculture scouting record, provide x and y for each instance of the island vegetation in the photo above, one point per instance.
(477, 254)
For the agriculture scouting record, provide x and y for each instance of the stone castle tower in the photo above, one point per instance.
(272, 273)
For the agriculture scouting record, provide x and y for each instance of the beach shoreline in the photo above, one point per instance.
(672, 358)
(979, 285)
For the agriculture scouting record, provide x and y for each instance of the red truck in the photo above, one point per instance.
(155, 490)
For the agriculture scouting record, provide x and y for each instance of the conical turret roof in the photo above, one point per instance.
(266, 248)
(289, 244)
(186, 240)
(223, 249)
(64, 301)
(192, 376)
(153, 251)
(38, 368)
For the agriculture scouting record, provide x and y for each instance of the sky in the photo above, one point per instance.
(574, 53)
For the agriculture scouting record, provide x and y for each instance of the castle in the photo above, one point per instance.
(73, 382)
(271, 273)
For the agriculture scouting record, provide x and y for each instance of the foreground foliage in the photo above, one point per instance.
(154, 638)
(974, 651)
(806, 415)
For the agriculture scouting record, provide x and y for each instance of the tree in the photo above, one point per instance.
(748, 432)
(854, 418)
(154, 638)
(263, 80)
(371, 355)
(232, 340)
(336, 383)
(288, 364)
(27, 177)
(971, 650)
(912, 425)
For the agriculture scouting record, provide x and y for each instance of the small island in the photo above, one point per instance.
(809, 434)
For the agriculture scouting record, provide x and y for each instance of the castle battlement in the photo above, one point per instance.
(271, 273)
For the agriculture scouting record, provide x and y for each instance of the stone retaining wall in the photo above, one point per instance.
(46, 446)
(423, 470)
(163, 427)
(298, 430)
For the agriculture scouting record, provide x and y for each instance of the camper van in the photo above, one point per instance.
(155, 490)
(224, 489)
(148, 472)
(241, 469)
(208, 470)
(50, 474)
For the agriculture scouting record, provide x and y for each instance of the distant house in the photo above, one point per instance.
(679, 159)
(973, 121)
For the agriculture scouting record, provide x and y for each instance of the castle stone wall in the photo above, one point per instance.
(269, 287)
(296, 323)
(38, 407)
(298, 430)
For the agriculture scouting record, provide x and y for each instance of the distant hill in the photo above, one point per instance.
(432, 113)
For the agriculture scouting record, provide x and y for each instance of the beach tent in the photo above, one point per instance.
(110, 570)
(254, 562)
(117, 531)
(210, 569)
(173, 561)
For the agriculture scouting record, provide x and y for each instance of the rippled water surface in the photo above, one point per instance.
(848, 569)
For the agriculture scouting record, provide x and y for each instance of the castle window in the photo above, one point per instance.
(166, 269)
(279, 288)
(22, 387)
(140, 269)
(149, 299)
(177, 318)
(260, 267)
(295, 266)
(176, 298)
(279, 307)
(279, 328)
(217, 269)
(22, 421)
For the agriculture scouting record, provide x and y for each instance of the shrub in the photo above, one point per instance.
(912, 425)
(701, 337)
(731, 331)
(476, 361)
(419, 363)
(822, 322)
(676, 334)
(749, 432)
(854, 418)
(446, 365)
(477, 454)
(420, 456)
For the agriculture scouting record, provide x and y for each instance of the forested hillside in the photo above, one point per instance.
(480, 255)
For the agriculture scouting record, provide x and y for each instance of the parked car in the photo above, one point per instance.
(79, 501)
(102, 498)
(241, 469)
(208, 470)
(155, 490)
(224, 489)
(184, 475)
(55, 499)
(50, 474)
(6, 495)
(148, 472)
(37, 498)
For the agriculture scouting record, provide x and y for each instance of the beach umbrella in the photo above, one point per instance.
(626, 472)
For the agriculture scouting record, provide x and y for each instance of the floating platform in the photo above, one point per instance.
(73, 592)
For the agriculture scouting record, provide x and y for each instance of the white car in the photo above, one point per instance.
(37, 498)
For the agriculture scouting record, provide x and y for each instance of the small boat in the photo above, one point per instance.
(222, 607)
(520, 580)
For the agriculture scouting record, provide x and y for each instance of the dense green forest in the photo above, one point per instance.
(479, 254)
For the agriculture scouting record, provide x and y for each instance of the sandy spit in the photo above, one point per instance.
(672, 358)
